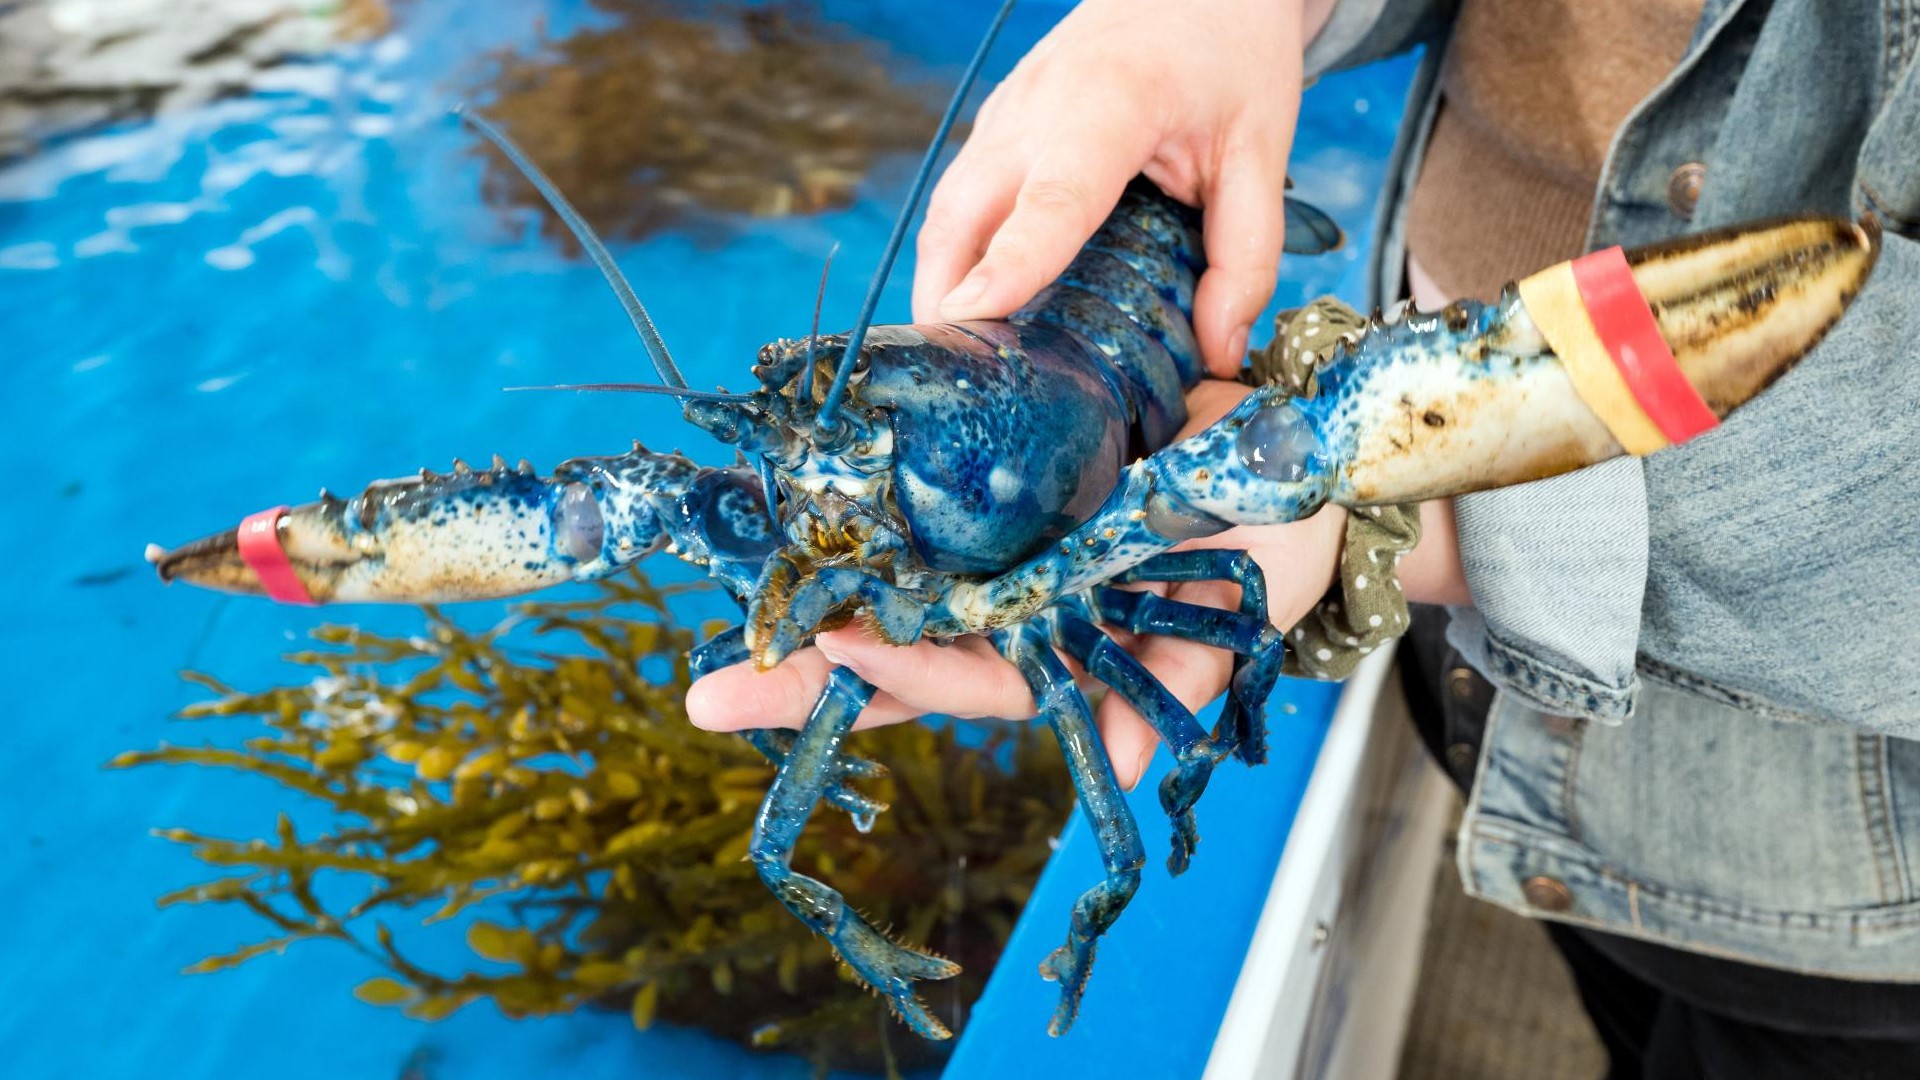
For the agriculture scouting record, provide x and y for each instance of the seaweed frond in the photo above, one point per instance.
(537, 784)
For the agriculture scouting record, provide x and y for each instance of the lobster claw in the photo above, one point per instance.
(1427, 406)
(313, 552)
(1425, 409)
(471, 534)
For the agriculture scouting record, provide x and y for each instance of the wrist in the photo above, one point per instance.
(1312, 569)
(1431, 573)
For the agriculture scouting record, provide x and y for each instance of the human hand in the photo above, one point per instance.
(970, 679)
(1201, 98)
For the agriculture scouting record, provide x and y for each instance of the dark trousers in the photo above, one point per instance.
(1737, 1021)
(1665, 1014)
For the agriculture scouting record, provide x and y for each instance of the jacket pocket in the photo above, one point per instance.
(1699, 797)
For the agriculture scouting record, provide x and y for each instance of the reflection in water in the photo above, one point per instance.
(678, 114)
(68, 66)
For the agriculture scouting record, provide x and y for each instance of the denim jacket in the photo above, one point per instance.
(1709, 661)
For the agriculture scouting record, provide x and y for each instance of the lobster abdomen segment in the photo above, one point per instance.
(1128, 296)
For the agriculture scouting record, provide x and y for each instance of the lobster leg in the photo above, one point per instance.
(1195, 753)
(1100, 800)
(1244, 712)
(889, 968)
(1244, 635)
(728, 648)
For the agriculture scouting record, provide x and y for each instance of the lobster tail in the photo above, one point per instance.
(1129, 293)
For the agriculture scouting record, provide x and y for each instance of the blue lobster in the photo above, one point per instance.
(1009, 478)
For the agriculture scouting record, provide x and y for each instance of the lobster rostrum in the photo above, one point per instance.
(1008, 478)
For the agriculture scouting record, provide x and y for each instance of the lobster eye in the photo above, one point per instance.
(1279, 444)
(578, 528)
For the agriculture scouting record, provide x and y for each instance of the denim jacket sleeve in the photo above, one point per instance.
(1803, 500)
(1557, 569)
(1560, 570)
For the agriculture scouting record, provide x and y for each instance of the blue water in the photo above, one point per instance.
(231, 307)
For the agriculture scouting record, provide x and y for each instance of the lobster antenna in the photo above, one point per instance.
(813, 336)
(680, 392)
(831, 404)
(663, 364)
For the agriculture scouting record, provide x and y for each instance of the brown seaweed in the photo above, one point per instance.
(537, 785)
(679, 115)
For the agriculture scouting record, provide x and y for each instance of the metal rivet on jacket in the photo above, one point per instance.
(1548, 894)
(1462, 757)
(1683, 188)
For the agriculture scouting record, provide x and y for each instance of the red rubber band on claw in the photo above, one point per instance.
(1626, 327)
(260, 549)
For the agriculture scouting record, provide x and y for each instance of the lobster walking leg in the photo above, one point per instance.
(775, 744)
(889, 968)
(1194, 752)
(1244, 712)
(728, 648)
(1101, 800)
(1246, 636)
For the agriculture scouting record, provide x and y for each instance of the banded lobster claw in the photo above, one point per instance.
(465, 535)
(476, 534)
(1478, 396)
(1737, 307)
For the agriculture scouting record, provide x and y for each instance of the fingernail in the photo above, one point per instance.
(699, 710)
(967, 292)
(1140, 767)
(1237, 345)
(835, 655)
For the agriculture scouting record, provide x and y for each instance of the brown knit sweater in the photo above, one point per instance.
(1532, 91)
